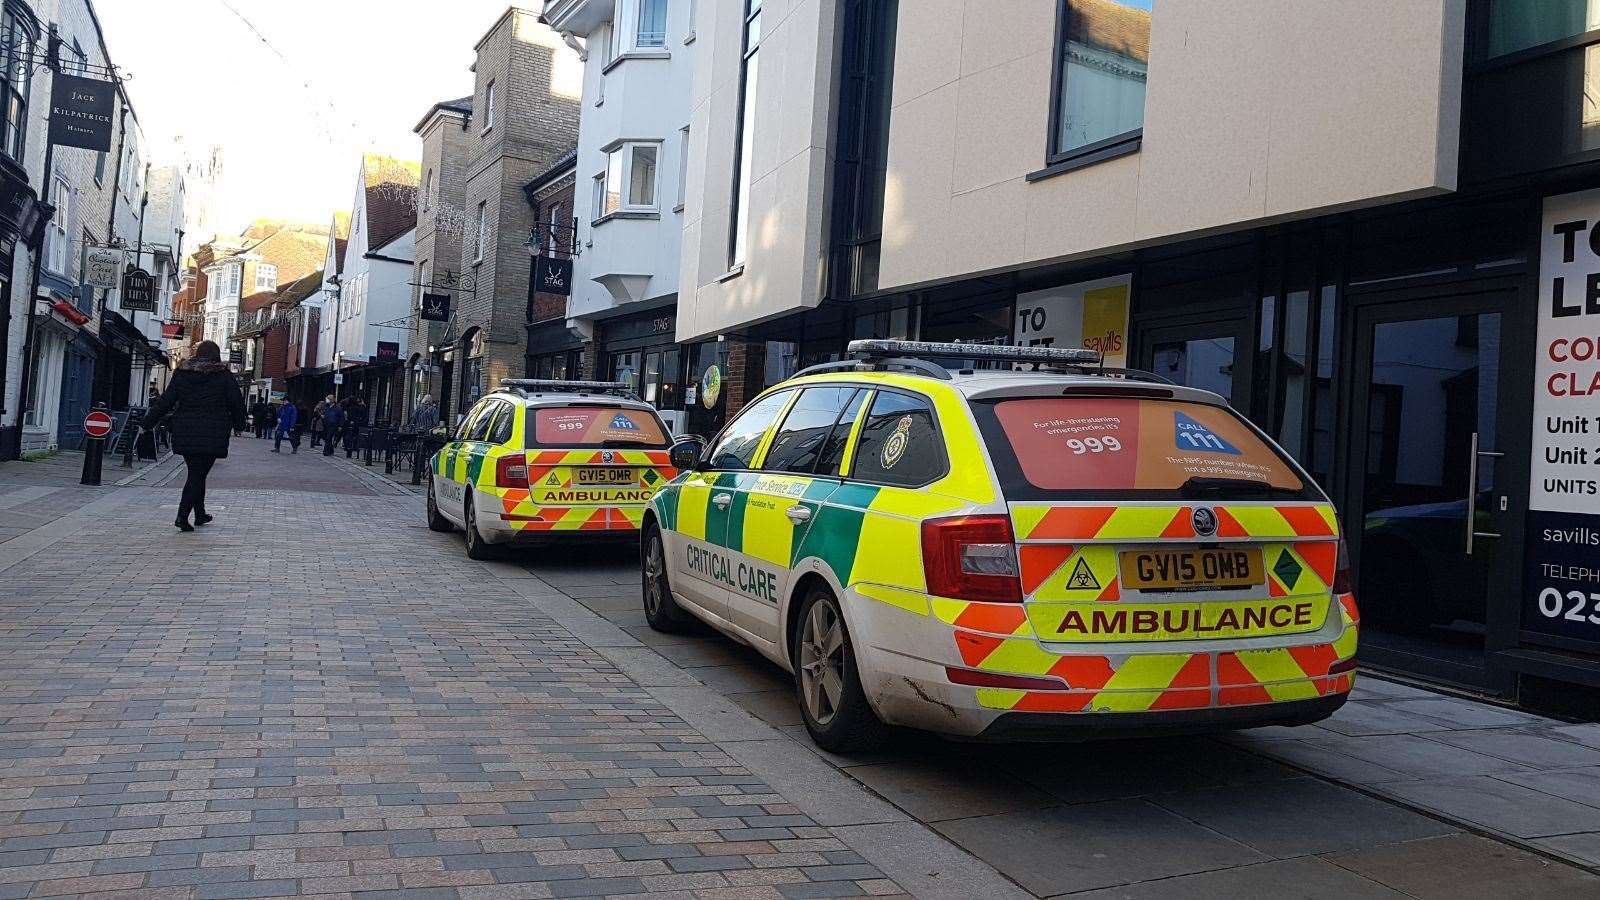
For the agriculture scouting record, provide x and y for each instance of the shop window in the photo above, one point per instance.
(738, 444)
(1515, 25)
(1101, 62)
(800, 442)
(900, 443)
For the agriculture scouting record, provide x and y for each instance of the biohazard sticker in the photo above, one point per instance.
(895, 447)
(1082, 579)
(554, 480)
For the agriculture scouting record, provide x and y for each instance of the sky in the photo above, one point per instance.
(292, 90)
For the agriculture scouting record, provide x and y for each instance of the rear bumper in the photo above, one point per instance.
(1015, 726)
(903, 653)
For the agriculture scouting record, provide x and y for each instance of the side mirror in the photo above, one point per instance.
(685, 454)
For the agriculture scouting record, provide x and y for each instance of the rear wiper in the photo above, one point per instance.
(1212, 487)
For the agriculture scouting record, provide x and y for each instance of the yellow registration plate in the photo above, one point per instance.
(1180, 570)
(607, 476)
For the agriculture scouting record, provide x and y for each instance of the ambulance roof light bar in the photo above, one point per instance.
(555, 386)
(980, 352)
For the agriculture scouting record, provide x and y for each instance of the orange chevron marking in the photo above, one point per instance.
(975, 648)
(1196, 673)
(1181, 526)
(1072, 522)
(1113, 591)
(1040, 561)
(1084, 671)
(995, 618)
(1182, 700)
(1053, 701)
(1321, 556)
(1348, 601)
(1315, 659)
(1306, 521)
(1228, 526)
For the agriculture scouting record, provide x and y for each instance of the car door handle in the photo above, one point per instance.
(722, 500)
(798, 514)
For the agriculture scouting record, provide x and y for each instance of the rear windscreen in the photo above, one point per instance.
(1114, 445)
(596, 426)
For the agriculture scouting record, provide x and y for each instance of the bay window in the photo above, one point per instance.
(1101, 62)
(628, 182)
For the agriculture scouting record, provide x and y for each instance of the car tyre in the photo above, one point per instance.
(661, 611)
(827, 682)
(477, 547)
(436, 521)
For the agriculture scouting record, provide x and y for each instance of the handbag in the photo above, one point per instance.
(144, 446)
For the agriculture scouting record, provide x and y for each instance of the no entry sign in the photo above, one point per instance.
(97, 424)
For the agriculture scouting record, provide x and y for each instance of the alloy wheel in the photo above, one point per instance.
(822, 661)
(654, 565)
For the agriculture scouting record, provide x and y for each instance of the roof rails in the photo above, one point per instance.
(555, 386)
(911, 356)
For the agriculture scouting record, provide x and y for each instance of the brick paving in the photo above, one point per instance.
(315, 696)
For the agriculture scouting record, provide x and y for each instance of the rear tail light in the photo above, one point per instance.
(971, 558)
(1341, 570)
(511, 471)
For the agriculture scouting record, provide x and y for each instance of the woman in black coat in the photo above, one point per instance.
(206, 407)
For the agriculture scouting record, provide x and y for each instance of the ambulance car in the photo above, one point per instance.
(546, 460)
(1060, 553)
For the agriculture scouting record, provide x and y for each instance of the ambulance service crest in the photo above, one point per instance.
(895, 447)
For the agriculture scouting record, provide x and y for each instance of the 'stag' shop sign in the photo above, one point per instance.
(1562, 584)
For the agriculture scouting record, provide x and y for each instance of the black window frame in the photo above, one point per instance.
(776, 420)
(752, 10)
(1057, 160)
(855, 390)
(938, 434)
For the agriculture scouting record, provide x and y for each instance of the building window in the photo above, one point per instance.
(15, 56)
(488, 107)
(61, 196)
(1519, 25)
(427, 190)
(266, 277)
(1102, 56)
(738, 240)
(652, 31)
(422, 281)
(683, 164)
(233, 281)
(483, 230)
(628, 183)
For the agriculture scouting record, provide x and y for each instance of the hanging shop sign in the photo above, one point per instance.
(102, 267)
(138, 291)
(436, 307)
(81, 112)
(1092, 314)
(552, 275)
(1562, 584)
(388, 351)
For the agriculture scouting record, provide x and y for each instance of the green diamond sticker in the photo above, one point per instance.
(650, 476)
(1287, 569)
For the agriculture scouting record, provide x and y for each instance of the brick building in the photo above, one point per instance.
(525, 109)
(447, 142)
(554, 350)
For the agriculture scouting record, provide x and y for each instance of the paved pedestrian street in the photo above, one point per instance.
(316, 696)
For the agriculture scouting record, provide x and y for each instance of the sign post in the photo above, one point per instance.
(96, 425)
(1562, 559)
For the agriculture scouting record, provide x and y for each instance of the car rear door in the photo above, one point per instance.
(1151, 523)
(457, 464)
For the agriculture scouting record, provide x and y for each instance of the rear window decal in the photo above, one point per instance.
(895, 446)
(1187, 434)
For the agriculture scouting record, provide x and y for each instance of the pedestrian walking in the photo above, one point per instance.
(288, 418)
(332, 422)
(355, 418)
(426, 416)
(316, 422)
(258, 417)
(206, 407)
